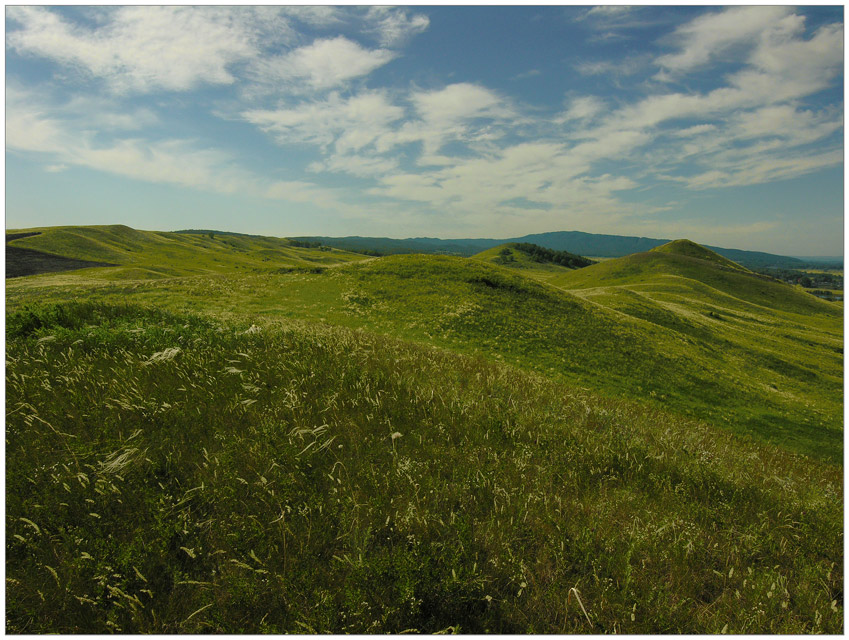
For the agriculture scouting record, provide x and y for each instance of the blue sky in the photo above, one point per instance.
(723, 125)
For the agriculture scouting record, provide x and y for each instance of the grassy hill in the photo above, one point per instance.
(576, 242)
(518, 255)
(176, 474)
(692, 250)
(678, 264)
(657, 442)
(155, 254)
(773, 372)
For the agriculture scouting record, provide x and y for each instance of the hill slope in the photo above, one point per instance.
(672, 264)
(674, 331)
(691, 249)
(155, 254)
(282, 450)
(194, 476)
(522, 255)
(577, 242)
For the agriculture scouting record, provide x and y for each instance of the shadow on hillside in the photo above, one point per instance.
(29, 262)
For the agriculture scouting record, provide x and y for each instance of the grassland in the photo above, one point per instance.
(657, 448)
(651, 332)
(155, 254)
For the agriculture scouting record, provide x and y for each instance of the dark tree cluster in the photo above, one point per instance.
(305, 244)
(541, 254)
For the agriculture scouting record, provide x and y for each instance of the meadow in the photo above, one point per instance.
(288, 449)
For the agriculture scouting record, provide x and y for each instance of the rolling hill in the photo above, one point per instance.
(657, 443)
(664, 327)
(683, 263)
(522, 255)
(134, 254)
(577, 242)
(196, 476)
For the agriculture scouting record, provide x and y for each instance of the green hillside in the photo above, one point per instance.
(678, 266)
(773, 372)
(237, 448)
(576, 242)
(692, 250)
(523, 255)
(155, 254)
(176, 474)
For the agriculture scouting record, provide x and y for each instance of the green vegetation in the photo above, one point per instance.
(174, 474)
(575, 242)
(766, 364)
(690, 249)
(154, 254)
(657, 443)
(809, 278)
(525, 255)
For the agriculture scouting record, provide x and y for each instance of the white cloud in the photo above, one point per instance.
(530, 73)
(453, 113)
(354, 122)
(714, 34)
(393, 26)
(361, 166)
(786, 68)
(541, 172)
(140, 49)
(618, 69)
(609, 10)
(747, 171)
(463, 149)
(323, 64)
(457, 102)
(31, 128)
(582, 108)
(696, 130)
(323, 16)
(755, 131)
(785, 121)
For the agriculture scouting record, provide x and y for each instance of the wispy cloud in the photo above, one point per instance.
(715, 34)
(140, 49)
(181, 162)
(631, 65)
(352, 123)
(159, 48)
(323, 64)
(394, 26)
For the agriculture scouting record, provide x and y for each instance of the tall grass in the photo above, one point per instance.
(173, 474)
(674, 342)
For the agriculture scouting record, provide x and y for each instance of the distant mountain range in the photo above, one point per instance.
(584, 244)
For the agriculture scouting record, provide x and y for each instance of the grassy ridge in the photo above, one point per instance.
(666, 266)
(691, 249)
(155, 254)
(685, 345)
(517, 255)
(175, 474)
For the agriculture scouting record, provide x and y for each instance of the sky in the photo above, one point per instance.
(723, 125)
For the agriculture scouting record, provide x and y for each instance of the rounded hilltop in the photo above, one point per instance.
(691, 249)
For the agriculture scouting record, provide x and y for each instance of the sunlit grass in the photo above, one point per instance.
(182, 474)
(667, 341)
